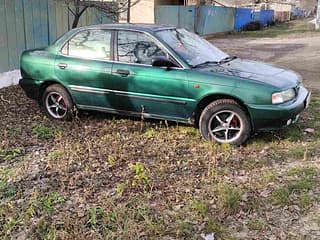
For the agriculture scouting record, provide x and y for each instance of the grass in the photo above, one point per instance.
(106, 177)
(229, 197)
(256, 225)
(43, 132)
(10, 154)
(299, 181)
(286, 28)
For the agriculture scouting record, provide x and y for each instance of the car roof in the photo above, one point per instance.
(132, 26)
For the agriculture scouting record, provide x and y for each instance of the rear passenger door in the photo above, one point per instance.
(84, 67)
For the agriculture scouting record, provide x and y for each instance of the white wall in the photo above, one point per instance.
(9, 78)
(143, 12)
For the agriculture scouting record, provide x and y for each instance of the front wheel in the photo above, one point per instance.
(225, 121)
(57, 103)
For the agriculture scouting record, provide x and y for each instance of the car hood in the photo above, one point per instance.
(257, 71)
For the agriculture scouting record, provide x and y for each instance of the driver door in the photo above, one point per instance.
(140, 87)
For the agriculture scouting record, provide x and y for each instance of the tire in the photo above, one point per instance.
(57, 103)
(225, 121)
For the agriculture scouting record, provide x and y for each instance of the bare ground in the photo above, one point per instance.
(106, 177)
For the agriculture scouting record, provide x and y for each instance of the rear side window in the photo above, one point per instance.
(90, 44)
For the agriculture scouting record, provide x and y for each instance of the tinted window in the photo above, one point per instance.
(137, 48)
(94, 44)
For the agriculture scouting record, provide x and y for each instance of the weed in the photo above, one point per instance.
(30, 212)
(268, 177)
(8, 192)
(105, 137)
(55, 154)
(45, 231)
(281, 196)
(120, 188)
(200, 208)
(301, 185)
(184, 229)
(297, 152)
(228, 197)
(256, 225)
(15, 131)
(111, 161)
(43, 132)
(150, 133)
(141, 175)
(95, 215)
(305, 201)
(306, 172)
(128, 218)
(10, 154)
(190, 132)
(118, 136)
(10, 224)
(48, 202)
(214, 226)
(5, 174)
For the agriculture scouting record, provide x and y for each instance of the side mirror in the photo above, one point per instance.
(162, 62)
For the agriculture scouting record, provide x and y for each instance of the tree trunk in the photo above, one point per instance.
(76, 21)
(128, 11)
(318, 17)
(77, 15)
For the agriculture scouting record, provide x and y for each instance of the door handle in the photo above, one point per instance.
(62, 65)
(122, 72)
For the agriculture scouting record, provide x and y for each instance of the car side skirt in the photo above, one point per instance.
(135, 114)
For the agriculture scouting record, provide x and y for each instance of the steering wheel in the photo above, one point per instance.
(144, 51)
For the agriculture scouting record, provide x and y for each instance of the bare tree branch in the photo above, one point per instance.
(111, 10)
(73, 13)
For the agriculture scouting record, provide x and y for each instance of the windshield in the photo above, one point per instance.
(192, 48)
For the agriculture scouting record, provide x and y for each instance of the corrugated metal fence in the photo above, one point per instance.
(213, 19)
(200, 19)
(207, 19)
(264, 16)
(243, 17)
(26, 24)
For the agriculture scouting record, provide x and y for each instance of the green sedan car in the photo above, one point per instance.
(161, 72)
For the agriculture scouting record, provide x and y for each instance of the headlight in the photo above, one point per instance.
(284, 96)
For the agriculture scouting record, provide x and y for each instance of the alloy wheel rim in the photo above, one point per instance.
(225, 126)
(56, 105)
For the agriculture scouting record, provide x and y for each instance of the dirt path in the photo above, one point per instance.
(299, 52)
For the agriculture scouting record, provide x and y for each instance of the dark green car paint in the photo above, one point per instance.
(159, 92)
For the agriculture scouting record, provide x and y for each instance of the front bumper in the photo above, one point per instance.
(30, 87)
(271, 117)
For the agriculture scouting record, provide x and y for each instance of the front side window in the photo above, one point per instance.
(134, 47)
(91, 44)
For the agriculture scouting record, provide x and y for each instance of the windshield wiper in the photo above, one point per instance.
(227, 59)
(224, 60)
(205, 63)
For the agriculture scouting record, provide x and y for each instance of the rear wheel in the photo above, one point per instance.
(225, 121)
(57, 103)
